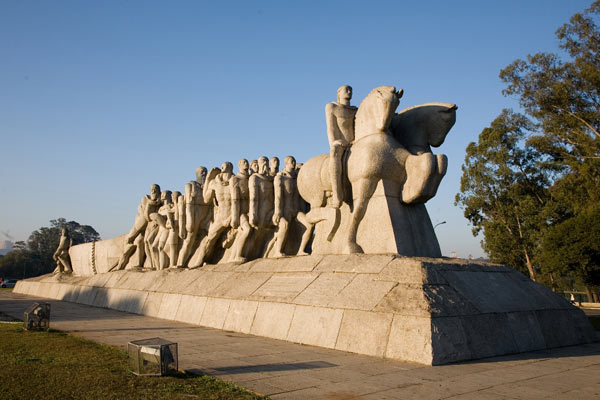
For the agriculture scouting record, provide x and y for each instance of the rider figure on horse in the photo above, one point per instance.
(340, 132)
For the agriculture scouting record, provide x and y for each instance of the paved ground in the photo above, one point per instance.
(285, 370)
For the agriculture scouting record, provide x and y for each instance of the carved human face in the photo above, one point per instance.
(290, 164)
(344, 94)
(155, 192)
(175, 197)
(227, 167)
(263, 165)
(274, 164)
(243, 165)
(200, 174)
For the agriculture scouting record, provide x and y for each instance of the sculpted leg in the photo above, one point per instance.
(240, 240)
(419, 170)
(363, 190)
(335, 172)
(301, 217)
(208, 243)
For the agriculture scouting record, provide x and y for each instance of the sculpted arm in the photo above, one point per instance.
(278, 192)
(332, 128)
(236, 199)
(253, 192)
(208, 192)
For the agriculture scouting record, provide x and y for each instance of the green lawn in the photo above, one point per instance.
(55, 365)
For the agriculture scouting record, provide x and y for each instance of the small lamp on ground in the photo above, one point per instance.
(152, 357)
(37, 317)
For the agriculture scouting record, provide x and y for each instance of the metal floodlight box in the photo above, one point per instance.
(37, 317)
(154, 356)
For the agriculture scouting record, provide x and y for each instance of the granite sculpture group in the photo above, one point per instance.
(214, 254)
(263, 212)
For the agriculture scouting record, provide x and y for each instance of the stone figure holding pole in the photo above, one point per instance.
(61, 255)
(135, 238)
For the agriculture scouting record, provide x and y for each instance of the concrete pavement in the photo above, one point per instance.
(286, 370)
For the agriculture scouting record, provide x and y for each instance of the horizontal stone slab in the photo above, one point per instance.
(430, 311)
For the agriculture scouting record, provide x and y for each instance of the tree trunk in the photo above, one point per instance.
(588, 291)
(529, 265)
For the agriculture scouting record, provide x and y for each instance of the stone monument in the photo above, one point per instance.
(337, 252)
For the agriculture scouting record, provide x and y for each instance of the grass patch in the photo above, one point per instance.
(595, 321)
(42, 365)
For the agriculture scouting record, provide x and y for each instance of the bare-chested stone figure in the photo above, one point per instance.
(273, 166)
(240, 208)
(159, 256)
(260, 187)
(218, 189)
(340, 132)
(173, 221)
(61, 255)
(287, 204)
(135, 238)
(195, 217)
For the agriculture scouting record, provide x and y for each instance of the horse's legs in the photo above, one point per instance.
(363, 190)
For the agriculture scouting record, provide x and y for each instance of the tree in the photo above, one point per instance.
(34, 257)
(503, 191)
(560, 96)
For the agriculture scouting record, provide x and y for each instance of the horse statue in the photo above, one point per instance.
(391, 152)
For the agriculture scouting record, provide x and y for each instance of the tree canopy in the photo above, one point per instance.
(531, 183)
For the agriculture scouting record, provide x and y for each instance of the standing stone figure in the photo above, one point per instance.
(287, 204)
(240, 208)
(135, 238)
(195, 218)
(260, 187)
(253, 167)
(61, 255)
(218, 189)
(273, 166)
(161, 218)
(340, 132)
(173, 222)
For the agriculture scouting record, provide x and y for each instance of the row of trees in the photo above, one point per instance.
(34, 257)
(531, 182)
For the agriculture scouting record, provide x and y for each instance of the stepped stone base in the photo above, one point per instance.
(430, 311)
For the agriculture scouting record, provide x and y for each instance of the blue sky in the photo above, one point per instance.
(98, 100)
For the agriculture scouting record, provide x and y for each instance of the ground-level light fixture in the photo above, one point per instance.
(37, 317)
(152, 357)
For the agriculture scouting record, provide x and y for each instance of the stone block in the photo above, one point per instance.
(410, 339)
(190, 309)
(283, 287)
(489, 335)
(169, 306)
(215, 313)
(526, 330)
(356, 263)
(72, 293)
(324, 289)
(449, 341)
(152, 304)
(240, 285)
(363, 293)
(102, 297)
(240, 316)
(364, 332)
(86, 295)
(316, 326)
(205, 282)
(127, 300)
(273, 320)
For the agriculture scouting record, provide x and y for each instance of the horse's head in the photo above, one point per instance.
(424, 125)
(376, 111)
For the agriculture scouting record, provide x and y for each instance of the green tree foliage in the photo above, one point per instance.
(503, 191)
(34, 257)
(555, 197)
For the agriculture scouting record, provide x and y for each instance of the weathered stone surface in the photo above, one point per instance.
(240, 316)
(315, 325)
(439, 311)
(273, 320)
(364, 332)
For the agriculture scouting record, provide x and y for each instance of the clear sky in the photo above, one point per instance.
(100, 99)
